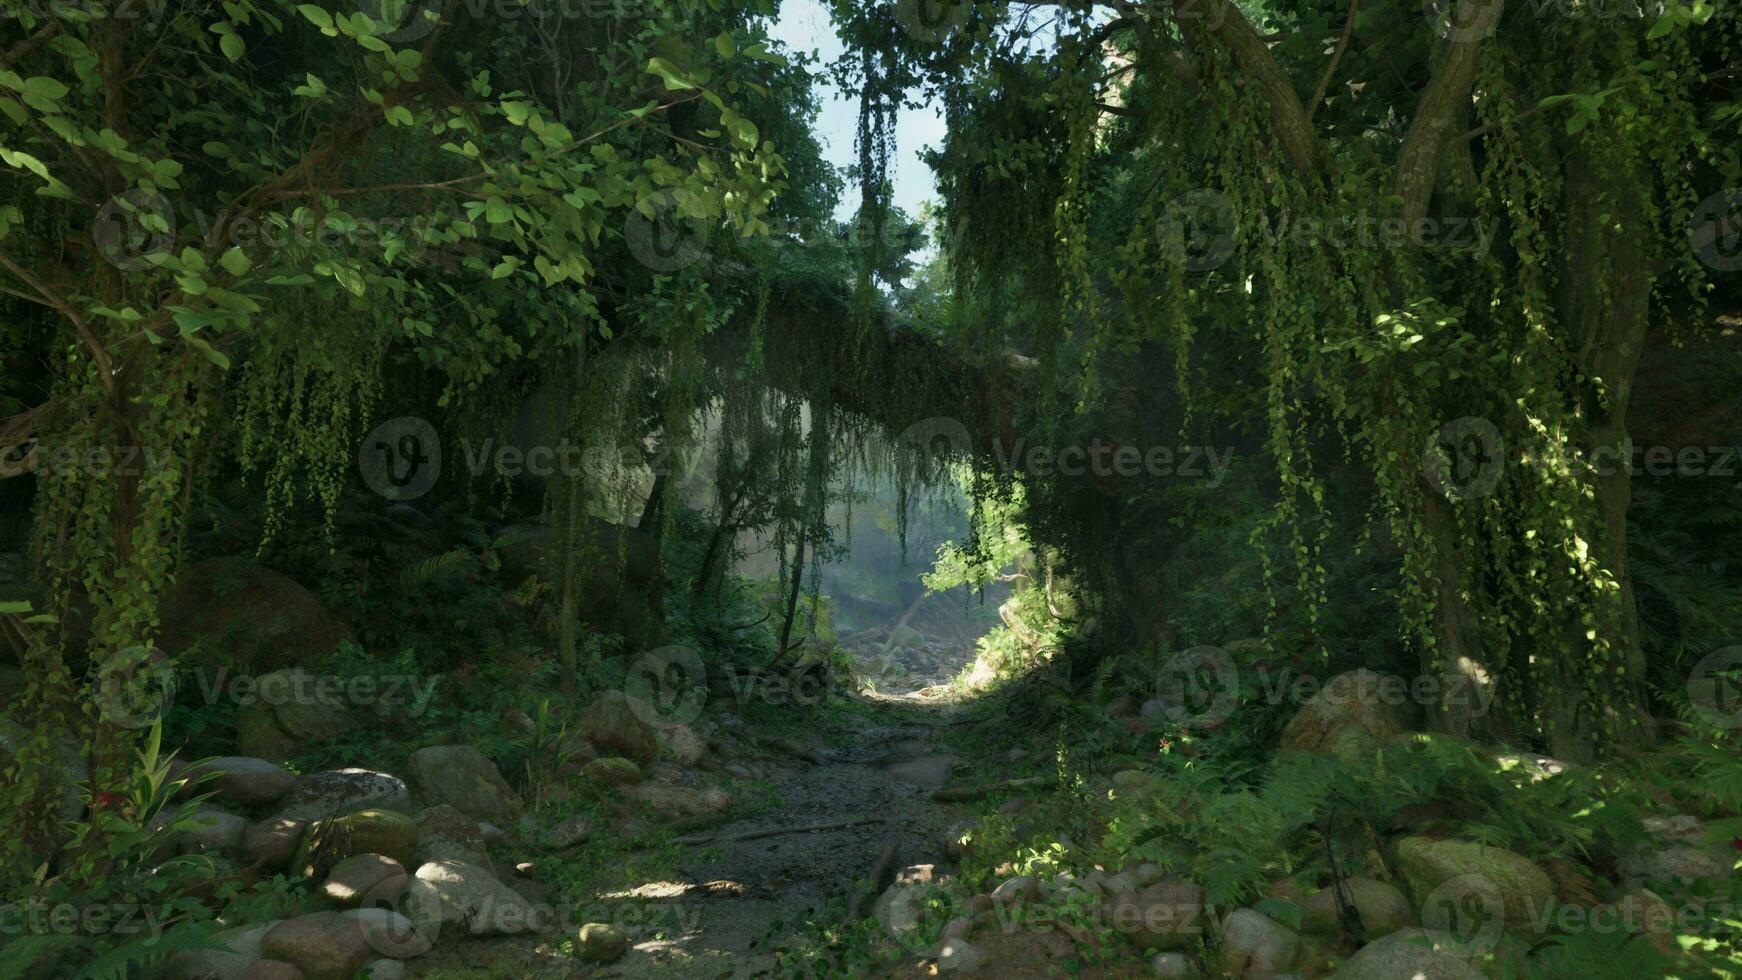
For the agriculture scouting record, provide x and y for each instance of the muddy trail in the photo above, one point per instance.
(854, 804)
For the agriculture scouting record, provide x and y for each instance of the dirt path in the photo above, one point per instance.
(739, 900)
(731, 906)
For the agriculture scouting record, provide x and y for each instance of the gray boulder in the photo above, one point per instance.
(461, 777)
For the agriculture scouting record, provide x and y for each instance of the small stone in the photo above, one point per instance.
(599, 942)
(738, 772)
(683, 744)
(570, 832)
(958, 928)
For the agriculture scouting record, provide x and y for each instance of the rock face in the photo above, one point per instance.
(1419, 954)
(246, 780)
(1255, 946)
(1523, 887)
(614, 726)
(454, 893)
(230, 611)
(461, 777)
(328, 842)
(341, 791)
(1166, 916)
(1350, 716)
(446, 834)
(1380, 907)
(290, 709)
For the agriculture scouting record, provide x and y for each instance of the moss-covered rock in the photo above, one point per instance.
(330, 841)
(612, 770)
(1522, 886)
(599, 942)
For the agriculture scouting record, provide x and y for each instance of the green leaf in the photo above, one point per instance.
(232, 46)
(14, 607)
(235, 262)
(725, 45)
(318, 17)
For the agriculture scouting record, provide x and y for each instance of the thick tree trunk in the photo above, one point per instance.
(1604, 302)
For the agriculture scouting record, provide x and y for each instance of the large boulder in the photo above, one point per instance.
(1255, 946)
(244, 780)
(335, 792)
(288, 710)
(454, 893)
(446, 834)
(1380, 908)
(335, 945)
(1479, 870)
(363, 876)
(270, 844)
(328, 842)
(1165, 916)
(461, 777)
(212, 831)
(230, 611)
(1418, 954)
(234, 961)
(1350, 716)
(615, 725)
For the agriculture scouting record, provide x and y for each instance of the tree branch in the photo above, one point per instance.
(1442, 108)
(1300, 144)
(1336, 56)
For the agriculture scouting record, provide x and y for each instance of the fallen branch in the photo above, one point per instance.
(961, 794)
(775, 831)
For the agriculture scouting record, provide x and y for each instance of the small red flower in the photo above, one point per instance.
(107, 800)
(1736, 842)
